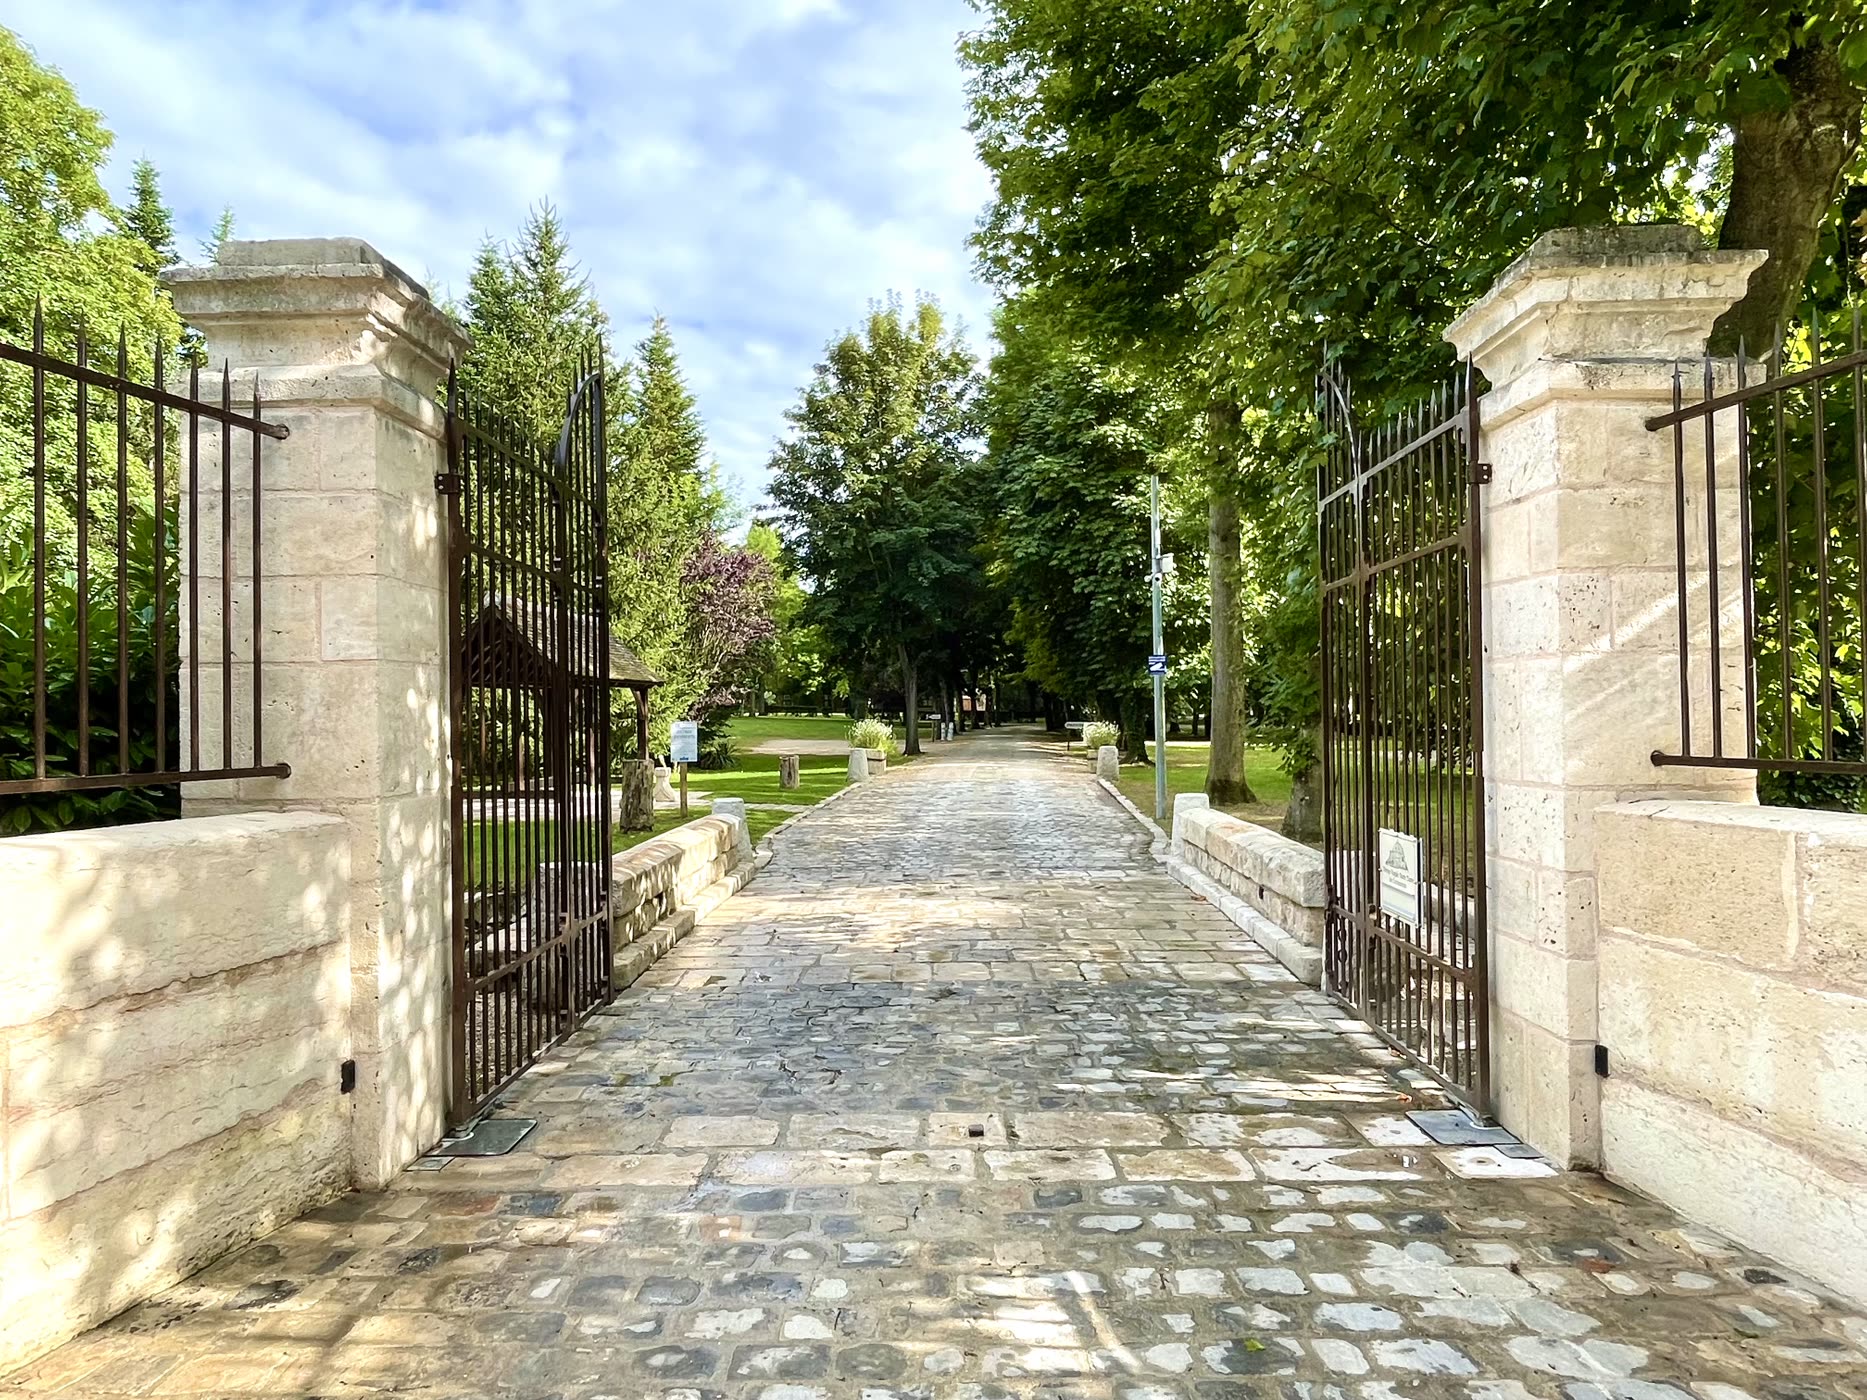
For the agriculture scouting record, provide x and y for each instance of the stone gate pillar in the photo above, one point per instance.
(347, 352)
(1578, 339)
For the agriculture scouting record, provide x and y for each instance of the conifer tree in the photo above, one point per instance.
(149, 220)
(663, 506)
(223, 230)
(532, 313)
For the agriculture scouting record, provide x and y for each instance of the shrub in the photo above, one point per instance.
(874, 734)
(717, 753)
(1100, 734)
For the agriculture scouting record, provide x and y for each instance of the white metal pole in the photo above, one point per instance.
(1160, 648)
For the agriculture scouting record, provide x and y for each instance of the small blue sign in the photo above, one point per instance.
(1157, 665)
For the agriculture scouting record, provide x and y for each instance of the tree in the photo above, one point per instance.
(665, 513)
(876, 502)
(148, 219)
(729, 620)
(62, 248)
(532, 313)
(1073, 441)
(1484, 119)
(1106, 127)
(1233, 184)
(218, 236)
(796, 663)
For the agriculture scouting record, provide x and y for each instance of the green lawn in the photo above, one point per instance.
(754, 729)
(498, 850)
(755, 779)
(1186, 772)
(664, 823)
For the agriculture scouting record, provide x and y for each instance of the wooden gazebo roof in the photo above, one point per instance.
(514, 646)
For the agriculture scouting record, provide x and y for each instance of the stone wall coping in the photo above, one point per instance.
(317, 302)
(1625, 292)
(1264, 856)
(683, 839)
(1829, 828)
(143, 840)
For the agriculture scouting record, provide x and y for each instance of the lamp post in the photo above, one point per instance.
(1157, 663)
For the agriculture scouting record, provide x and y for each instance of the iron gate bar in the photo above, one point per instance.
(39, 362)
(1806, 619)
(91, 535)
(1776, 383)
(529, 642)
(1403, 725)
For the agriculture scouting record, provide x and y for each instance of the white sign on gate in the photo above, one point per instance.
(684, 741)
(1400, 876)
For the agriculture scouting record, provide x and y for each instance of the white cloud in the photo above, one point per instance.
(756, 170)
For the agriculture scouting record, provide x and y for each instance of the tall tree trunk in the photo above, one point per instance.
(1786, 169)
(910, 686)
(1225, 773)
(1133, 721)
(1303, 818)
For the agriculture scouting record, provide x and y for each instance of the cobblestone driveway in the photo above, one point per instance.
(963, 1098)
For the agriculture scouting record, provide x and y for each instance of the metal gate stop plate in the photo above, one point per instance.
(490, 1137)
(1454, 1127)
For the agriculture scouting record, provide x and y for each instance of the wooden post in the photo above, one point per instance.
(683, 768)
(788, 776)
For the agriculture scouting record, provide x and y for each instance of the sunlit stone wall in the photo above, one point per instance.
(174, 1009)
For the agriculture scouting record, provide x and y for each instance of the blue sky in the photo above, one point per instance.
(755, 170)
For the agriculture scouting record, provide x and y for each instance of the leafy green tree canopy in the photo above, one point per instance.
(875, 493)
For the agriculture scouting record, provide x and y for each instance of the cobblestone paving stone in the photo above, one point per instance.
(964, 1098)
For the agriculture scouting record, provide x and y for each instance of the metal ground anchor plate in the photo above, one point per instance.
(1454, 1127)
(490, 1137)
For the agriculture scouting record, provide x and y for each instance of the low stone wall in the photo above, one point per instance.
(174, 1009)
(662, 887)
(1733, 1006)
(1278, 882)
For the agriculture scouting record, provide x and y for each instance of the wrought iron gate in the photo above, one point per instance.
(528, 601)
(1402, 733)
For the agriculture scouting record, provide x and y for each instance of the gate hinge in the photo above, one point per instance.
(447, 483)
(347, 1077)
(1481, 473)
(1601, 1061)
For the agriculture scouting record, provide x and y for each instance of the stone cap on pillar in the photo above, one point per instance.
(1610, 293)
(317, 303)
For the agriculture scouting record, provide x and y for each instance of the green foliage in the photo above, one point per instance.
(58, 811)
(532, 313)
(678, 596)
(719, 753)
(877, 493)
(1225, 188)
(1099, 734)
(663, 503)
(1072, 443)
(874, 733)
(147, 219)
(217, 239)
(63, 244)
(1808, 562)
(796, 666)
